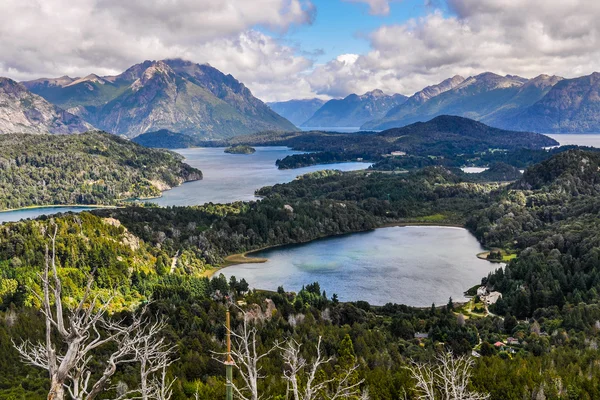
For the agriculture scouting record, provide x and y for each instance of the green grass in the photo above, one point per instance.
(433, 218)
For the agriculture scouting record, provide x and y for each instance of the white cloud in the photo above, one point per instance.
(376, 7)
(56, 37)
(523, 37)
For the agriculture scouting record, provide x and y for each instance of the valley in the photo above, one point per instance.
(334, 200)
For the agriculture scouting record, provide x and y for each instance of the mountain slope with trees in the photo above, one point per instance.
(90, 168)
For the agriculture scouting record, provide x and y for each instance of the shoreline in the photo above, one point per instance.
(245, 257)
(121, 203)
(60, 206)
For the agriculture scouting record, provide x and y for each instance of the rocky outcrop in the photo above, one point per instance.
(24, 112)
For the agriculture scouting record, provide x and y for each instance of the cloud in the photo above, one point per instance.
(56, 37)
(376, 7)
(524, 37)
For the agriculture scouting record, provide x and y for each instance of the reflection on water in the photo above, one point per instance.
(415, 265)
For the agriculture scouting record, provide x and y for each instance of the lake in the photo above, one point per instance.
(579, 139)
(227, 178)
(233, 177)
(414, 265)
(9, 216)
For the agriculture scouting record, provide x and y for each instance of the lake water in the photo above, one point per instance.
(233, 177)
(9, 216)
(344, 129)
(414, 265)
(473, 170)
(579, 139)
(227, 178)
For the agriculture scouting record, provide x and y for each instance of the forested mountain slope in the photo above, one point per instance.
(91, 168)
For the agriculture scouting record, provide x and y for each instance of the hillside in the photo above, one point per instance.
(25, 112)
(442, 136)
(572, 105)
(488, 97)
(166, 139)
(354, 110)
(574, 172)
(297, 111)
(175, 95)
(91, 168)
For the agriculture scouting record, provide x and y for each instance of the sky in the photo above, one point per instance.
(293, 49)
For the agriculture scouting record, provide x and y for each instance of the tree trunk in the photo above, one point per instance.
(57, 391)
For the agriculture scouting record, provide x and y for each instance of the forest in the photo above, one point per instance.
(538, 341)
(91, 168)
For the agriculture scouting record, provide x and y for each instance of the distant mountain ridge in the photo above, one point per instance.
(571, 105)
(297, 111)
(24, 112)
(173, 94)
(546, 104)
(477, 97)
(354, 110)
(412, 103)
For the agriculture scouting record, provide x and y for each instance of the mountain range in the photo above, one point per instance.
(173, 94)
(199, 101)
(354, 110)
(549, 104)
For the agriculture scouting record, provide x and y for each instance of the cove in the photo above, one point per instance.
(412, 265)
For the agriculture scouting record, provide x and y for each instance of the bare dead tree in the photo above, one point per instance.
(81, 331)
(246, 358)
(445, 379)
(344, 388)
(154, 356)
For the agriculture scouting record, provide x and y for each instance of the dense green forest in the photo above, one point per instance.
(91, 168)
(548, 219)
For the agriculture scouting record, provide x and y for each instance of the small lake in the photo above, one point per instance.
(227, 178)
(473, 170)
(414, 265)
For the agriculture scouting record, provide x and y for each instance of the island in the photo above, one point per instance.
(240, 149)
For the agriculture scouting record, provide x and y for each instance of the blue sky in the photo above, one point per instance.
(342, 27)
